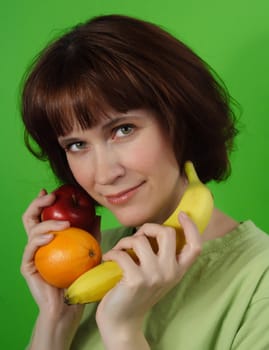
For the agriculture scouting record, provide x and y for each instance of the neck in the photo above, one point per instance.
(219, 225)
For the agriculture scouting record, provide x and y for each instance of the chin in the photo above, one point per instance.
(130, 223)
(133, 219)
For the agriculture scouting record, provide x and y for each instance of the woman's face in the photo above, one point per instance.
(127, 164)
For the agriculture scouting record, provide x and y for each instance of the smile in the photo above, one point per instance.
(124, 196)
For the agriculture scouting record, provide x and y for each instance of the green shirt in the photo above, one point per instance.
(222, 302)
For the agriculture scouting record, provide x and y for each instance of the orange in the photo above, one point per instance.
(71, 253)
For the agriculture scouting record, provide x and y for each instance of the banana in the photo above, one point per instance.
(94, 284)
(197, 202)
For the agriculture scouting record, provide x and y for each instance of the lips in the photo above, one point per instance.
(123, 196)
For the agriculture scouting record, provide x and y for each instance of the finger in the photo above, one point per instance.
(162, 238)
(48, 226)
(129, 268)
(191, 232)
(32, 214)
(138, 247)
(30, 250)
(193, 246)
(42, 193)
(124, 260)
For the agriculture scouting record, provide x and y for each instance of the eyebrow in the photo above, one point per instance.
(111, 122)
(65, 141)
(117, 120)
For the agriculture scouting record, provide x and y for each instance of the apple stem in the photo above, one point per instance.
(74, 199)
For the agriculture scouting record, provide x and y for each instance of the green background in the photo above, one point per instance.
(231, 35)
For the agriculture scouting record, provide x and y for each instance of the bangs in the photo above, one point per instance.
(81, 98)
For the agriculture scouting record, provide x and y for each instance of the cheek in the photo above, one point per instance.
(151, 155)
(140, 158)
(82, 173)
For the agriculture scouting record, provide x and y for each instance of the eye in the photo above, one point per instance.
(123, 130)
(75, 147)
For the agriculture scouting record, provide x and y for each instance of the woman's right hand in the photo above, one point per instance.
(57, 322)
(45, 295)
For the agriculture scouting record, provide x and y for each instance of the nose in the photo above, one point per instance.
(108, 167)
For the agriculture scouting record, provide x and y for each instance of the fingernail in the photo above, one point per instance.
(62, 222)
(183, 215)
(42, 192)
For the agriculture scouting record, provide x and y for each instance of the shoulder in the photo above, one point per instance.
(240, 258)
(246, 239)
(255, 241)
(248, 254)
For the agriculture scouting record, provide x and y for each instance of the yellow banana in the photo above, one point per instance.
(94, 284)
(196, 202)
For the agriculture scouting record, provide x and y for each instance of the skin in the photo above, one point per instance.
(127, 164)
(122, 163)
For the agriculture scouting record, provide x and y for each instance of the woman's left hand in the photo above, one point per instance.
(145, 283)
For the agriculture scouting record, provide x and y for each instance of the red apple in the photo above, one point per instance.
(71, 204)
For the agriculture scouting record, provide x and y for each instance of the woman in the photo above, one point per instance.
(117, 105)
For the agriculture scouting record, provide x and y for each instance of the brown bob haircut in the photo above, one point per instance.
(120, 63)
